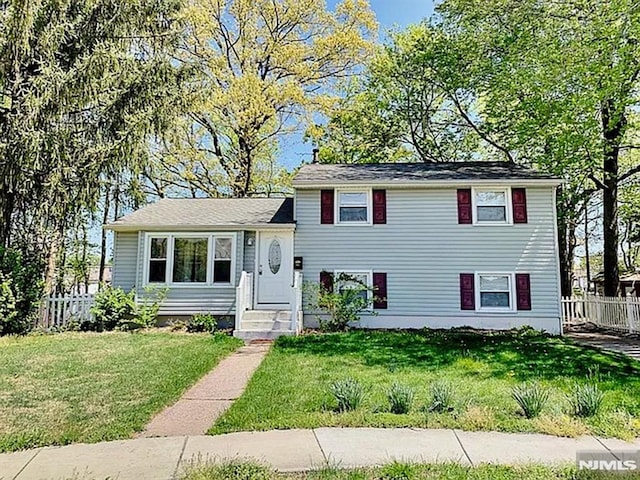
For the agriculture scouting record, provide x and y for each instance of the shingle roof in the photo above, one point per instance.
(414, 172)
(205, 212)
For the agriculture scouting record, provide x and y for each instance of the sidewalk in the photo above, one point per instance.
(202, 404)
(295, 450)
(620, 344)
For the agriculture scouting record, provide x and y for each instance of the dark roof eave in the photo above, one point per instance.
(309, 184)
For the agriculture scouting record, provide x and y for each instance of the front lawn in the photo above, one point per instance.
(88, 387)
(291, 389)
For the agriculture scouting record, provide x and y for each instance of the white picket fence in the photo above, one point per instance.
(615, 313)
(59, 310)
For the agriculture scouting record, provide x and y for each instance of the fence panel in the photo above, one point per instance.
(58, 310)
(615, 313)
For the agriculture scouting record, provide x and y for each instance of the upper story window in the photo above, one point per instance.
(190, 259)
(354, 206)
(491, 206)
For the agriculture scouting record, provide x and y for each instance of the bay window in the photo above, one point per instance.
(190, 259)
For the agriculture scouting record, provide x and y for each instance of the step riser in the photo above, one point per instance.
(259, 335)
(266, 316)
(264, 326)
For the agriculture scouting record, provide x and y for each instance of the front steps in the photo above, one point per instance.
(264, 325)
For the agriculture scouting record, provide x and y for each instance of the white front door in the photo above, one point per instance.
(275, 269)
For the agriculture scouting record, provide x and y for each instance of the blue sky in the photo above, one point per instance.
(391, 14)
(397, 12)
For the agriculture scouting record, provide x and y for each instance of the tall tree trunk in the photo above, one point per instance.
(53, 255)
(85, 266)
(103, 236)
(6, 214)
(567, 244)
(586, 245)
(613, 127)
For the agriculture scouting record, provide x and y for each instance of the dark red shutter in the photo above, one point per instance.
(519, 201)
(326, 281)
(379, 207)
(465, 214)
(523, 291)
(380, 291)
(467, 291)
(326, 207)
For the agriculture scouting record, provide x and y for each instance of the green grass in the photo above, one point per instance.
(83, 387)
(291, 387)
(248, 470)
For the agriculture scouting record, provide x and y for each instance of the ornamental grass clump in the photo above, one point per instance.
(531, 398)
(349, 394)
(585, 400)
(400, 398)
(442, 397)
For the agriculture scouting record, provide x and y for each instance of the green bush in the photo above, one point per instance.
(585, 400)
(20, 290)
(8, 310)
(349, 394)
(400, 398)
(147, 312)
(531, 398)
(112, 307)
(442, 397)
(342, 305)
(202, 322)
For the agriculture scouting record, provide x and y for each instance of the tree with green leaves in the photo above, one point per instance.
(83, 86)
(264, 68)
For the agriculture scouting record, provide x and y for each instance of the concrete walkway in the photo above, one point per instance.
(202, 404)
(621, 344)
(296, 450)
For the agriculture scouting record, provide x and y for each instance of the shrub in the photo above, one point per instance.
(349, 394)
(147, 312)
(8, 310)
(585, 400)
(111, 307)
(202, 322)
(531, 398)
(343, 304)
(400, 398)
(442, 397)
(114, 308)
(21, 289)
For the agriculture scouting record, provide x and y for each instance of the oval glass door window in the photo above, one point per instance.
(275, 257)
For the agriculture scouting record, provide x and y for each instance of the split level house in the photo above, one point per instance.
(442, 245)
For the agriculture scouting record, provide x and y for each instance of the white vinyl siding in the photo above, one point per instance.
(125, 256)
(424, 249)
